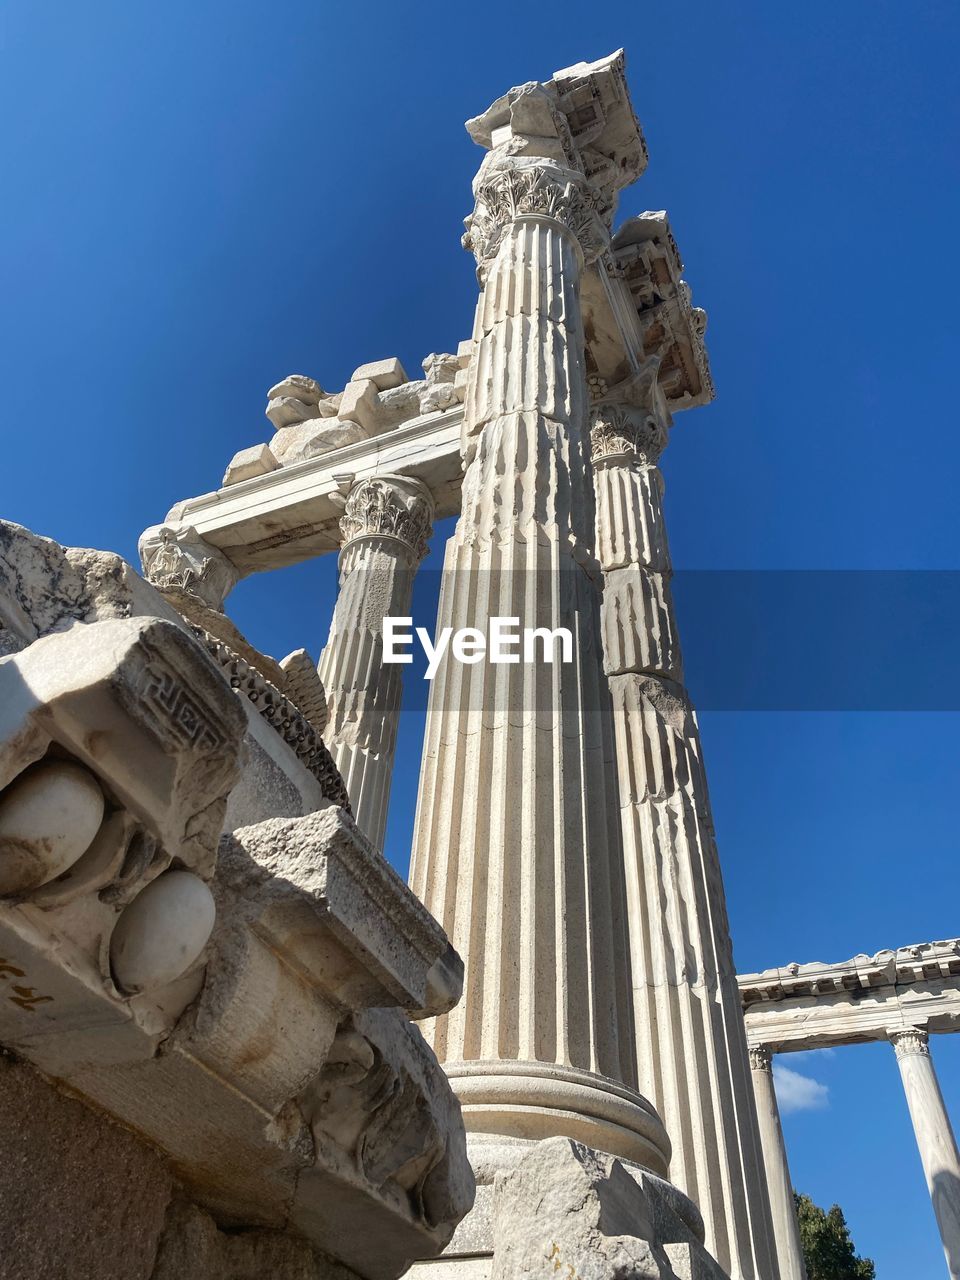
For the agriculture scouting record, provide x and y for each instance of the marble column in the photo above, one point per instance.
(516, 848)
(786, 1228)
(386, 522)
(934, 1134)
(691, 1044)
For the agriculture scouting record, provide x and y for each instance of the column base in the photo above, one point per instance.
(512, 1104)
(598, 1215)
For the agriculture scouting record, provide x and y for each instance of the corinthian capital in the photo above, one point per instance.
(625, 431)
(629, 422)
(389, 506)
(911, 1040)
(178, 559)
(761, 1059)
(526, 187)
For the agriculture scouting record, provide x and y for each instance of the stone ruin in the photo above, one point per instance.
(234, 1043)
(209, 978)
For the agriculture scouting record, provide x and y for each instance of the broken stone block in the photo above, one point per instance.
(299, 387)
(303, 686)
(44, 587)
(360, 404)
(440, 393)
(247, 463)
(465, 351)
(384, 374)
(313, 438)
(176, 557)
(297, 399)
(399, 404)
(569, 1210)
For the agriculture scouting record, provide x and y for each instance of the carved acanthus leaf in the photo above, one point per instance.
(503, 195)
(618, 430)
(911, 1040)
(392, 507)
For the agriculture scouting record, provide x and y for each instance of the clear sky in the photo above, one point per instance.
(200, 199)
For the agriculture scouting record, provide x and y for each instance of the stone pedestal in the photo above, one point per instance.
(935, 1140)
(386, 523)
(567, 1210)
(786, 1229)
(692, 1053)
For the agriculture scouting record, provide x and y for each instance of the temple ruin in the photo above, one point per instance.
(270, 1055)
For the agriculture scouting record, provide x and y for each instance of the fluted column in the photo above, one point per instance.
(516, 849)
(786, 1228)
(934, 1134)
(691, 1045)
(386, 523)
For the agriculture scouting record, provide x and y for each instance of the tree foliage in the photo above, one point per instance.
(828, 1251)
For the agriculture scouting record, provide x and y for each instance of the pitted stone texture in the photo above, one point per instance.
(399, 404)
(296, 399)
(313, 437)
(80, 1197)
(176, 557)
(258, 460)
(569, 1210)
(440, 391)
(320, 869)
(299, 387)
(45, 587)
(360, 404)
(384, 1121)
(303, 686)
(194, 1248)
(384, 374)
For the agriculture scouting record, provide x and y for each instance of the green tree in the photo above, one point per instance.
(828, 1251)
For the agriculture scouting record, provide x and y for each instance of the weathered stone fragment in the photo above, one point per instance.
(175, 556)
(568, 1210)
(440, 393)
(314, 437)
(258, 460)
(382, 373)
(360, 404)
(302, 684)
(45, 587)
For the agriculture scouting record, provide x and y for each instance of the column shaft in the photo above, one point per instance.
(934, 1134)
(516, 849)
(691, 1044)
(386, 523)
(786, 1228)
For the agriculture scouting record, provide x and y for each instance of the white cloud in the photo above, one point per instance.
(797, 1092)
(812, 1057)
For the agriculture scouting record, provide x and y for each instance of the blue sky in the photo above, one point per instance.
(201, 199)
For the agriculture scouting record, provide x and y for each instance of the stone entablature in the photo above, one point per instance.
(292, 514)
(900, 997)
(648, 262)
(816, 1005)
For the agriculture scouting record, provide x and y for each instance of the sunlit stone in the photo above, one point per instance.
(49, 815)
(161, 932)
